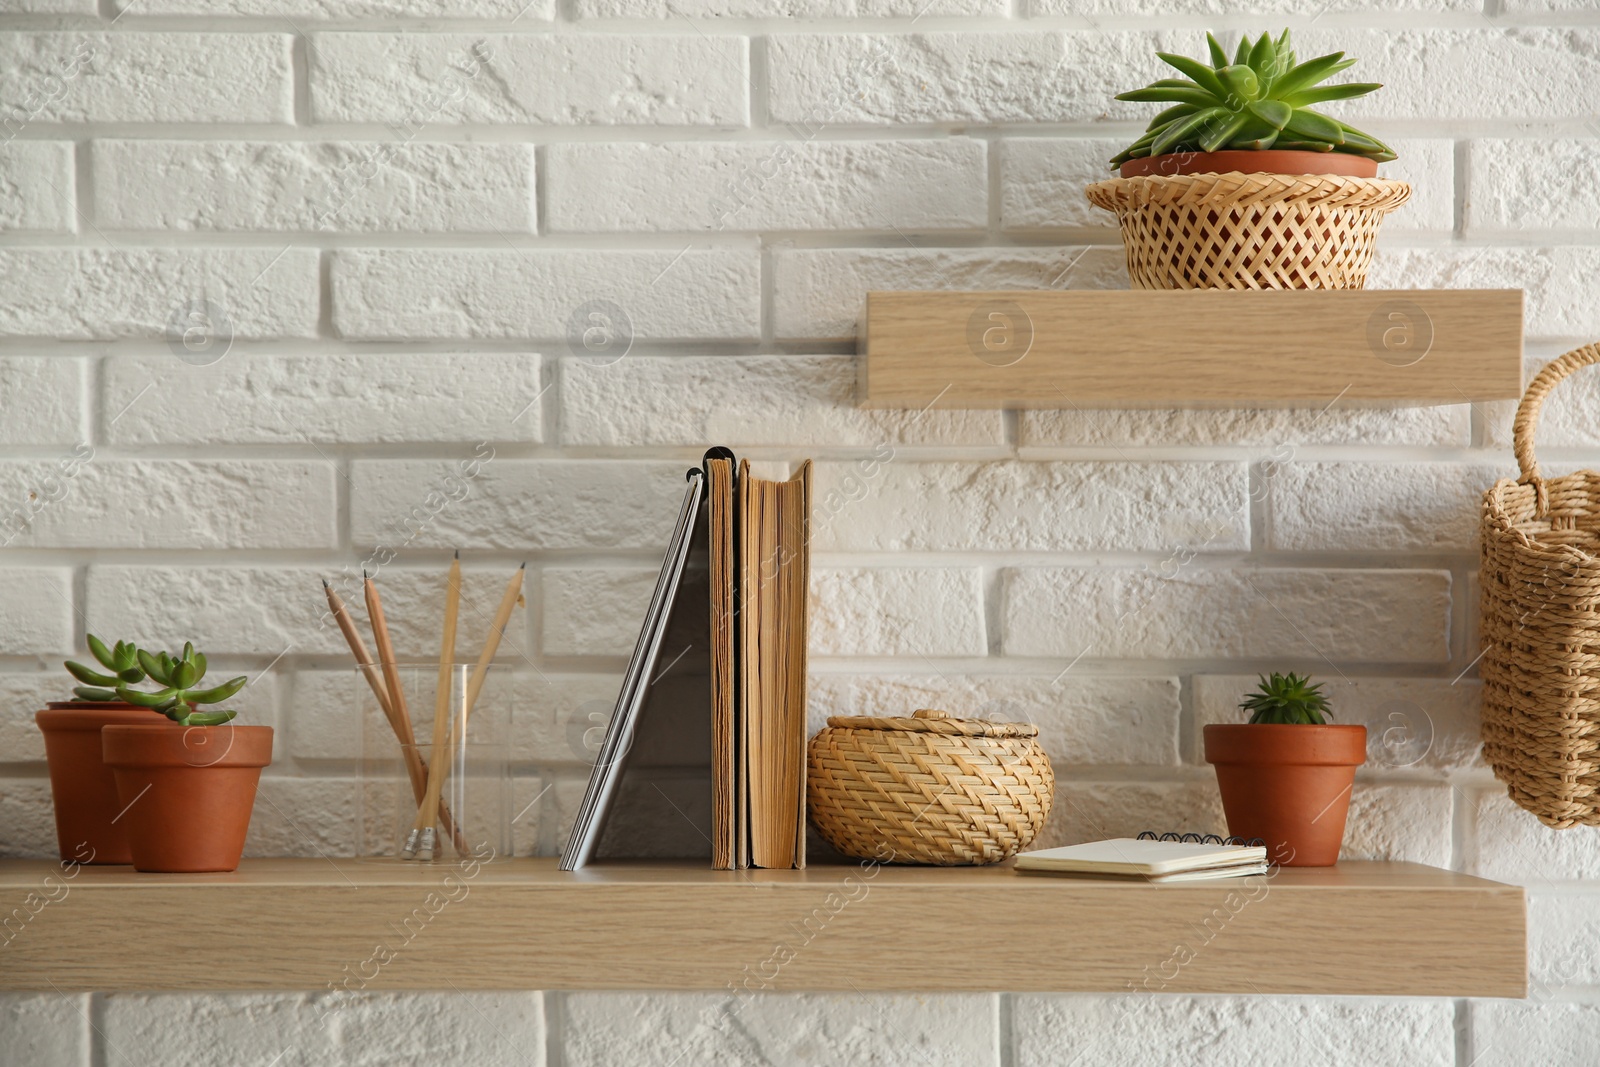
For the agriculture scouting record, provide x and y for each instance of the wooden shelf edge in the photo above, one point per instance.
(1194, 348)
(1390, 929)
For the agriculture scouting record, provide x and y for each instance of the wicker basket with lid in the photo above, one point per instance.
(928, 789)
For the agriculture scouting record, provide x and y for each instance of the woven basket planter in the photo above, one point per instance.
(1540, 621)
(928, 789)
(1249, 231)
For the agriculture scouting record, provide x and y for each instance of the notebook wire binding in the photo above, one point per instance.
(1201, 839)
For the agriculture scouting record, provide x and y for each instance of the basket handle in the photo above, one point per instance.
(1527, 420)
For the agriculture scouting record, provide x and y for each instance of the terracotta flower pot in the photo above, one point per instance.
(1288, 785)
(82, 788)
(188, 791)
(1267, 161)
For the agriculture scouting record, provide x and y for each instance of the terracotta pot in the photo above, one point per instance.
(188, 791)
(1288, 785)
(1267, 161)
(82, 788)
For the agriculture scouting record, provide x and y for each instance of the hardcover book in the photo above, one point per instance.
(709, 725)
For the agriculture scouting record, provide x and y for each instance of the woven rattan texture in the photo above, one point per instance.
(1540, 621)
(1249, 231)
(955, 792)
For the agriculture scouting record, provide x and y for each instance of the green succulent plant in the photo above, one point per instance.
(180, 695)
(121, 660)
(1259, 100)
(1288, 699)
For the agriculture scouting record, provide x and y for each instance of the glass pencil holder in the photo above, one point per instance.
(436, 789)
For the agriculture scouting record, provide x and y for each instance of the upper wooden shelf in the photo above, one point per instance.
(1195, 348)
(1395, 929)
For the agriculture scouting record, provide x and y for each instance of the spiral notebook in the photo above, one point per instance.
(1152, 858)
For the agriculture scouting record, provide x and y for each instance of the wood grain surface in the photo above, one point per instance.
(1197, 348)
(1393, 929)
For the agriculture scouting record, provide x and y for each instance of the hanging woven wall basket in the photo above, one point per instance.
(1540, 621)
(1249, 231)
(928, 789)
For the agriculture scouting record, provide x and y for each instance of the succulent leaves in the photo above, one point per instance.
(178, 699)
(1288, 699)
(1259, 100)
(120, 660)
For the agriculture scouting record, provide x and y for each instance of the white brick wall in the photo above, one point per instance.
(882, 79)
(262, 185)
(325, 398)
(536, 293)
(941, 1031)
(670, 79)
(104, 292)
(148, 77)
(38, 178)
(1220, 1031)
(1385, 616)
(43, 402)
(762, 400)
(866, 185)
(129, 503)
(276, 274)
(817, 293)
(504, 1029)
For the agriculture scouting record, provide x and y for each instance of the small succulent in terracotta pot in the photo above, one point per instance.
(1240, 183)
(187, 786)
(107, 807)
(180, 695)
(82, 787)
(1286, 775)
(1255, 112)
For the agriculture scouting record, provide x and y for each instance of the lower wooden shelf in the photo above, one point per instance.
(1395, 929)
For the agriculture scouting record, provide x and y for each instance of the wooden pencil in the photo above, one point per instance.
(415, 771)
(491, 645)
(391, 676)
(428, 810)
(358, 648)
(480, 671)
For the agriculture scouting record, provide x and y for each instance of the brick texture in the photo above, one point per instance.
(147, 77)
(830, 185)
(43, 401)
(113, 503)
(340, 187)
(658, 1030)
(818, 293)
(745, 400)
(1140, 1030)
(394, 398)
(494, 294)
(418, 79)
(160, 294)
(1383, 616)
(38, 176)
